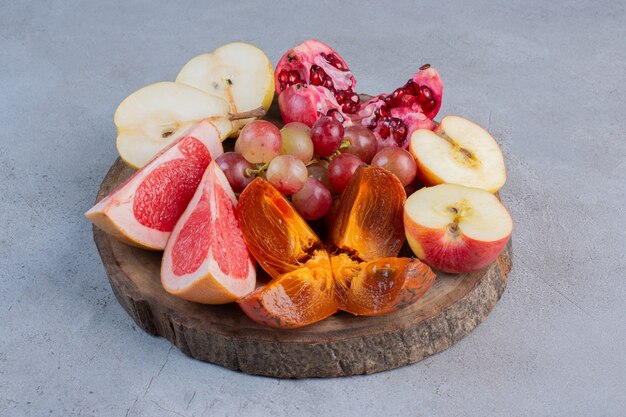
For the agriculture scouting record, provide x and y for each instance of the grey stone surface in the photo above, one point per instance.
(547, 79)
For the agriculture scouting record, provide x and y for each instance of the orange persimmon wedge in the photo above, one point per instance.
(276, 235)
(368, 220)
(381, 286)
(295, 299)
(362, 276)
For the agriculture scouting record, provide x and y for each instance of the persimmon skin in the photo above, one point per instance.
(297, 298)
(368, 220)
(278, 238)
(363, 276)
(381, 286)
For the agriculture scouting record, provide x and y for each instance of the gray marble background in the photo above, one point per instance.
(547, 79)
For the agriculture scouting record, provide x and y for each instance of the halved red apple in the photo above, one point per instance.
(455, 228)
(458, 151)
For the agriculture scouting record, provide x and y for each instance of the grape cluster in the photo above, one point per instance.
(309, 164)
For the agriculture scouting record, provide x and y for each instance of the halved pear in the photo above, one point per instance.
(238, 72)
(155, 116)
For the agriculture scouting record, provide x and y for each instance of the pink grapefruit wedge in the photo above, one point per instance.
(206, 259)
(143, 210)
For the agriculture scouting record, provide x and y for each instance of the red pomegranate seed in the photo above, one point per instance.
(288, 78)
(382, 112)
(333, 60)
(407, 100)
(429, 105)
(424, 94)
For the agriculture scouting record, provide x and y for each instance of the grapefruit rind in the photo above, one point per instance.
(115, 215)
(208, 284)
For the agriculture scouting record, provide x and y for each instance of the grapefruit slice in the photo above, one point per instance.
(143, 210)
(206, 259)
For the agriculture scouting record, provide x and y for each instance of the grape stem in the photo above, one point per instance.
(313, 162)
(345, 144)
(258, 172)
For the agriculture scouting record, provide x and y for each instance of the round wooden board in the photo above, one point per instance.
(338, 346)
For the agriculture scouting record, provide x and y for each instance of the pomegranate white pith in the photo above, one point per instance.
(208, 282)
(115, 213)
(455, 228)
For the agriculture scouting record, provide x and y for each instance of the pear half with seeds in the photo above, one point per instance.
(157, 115)
(238, 72)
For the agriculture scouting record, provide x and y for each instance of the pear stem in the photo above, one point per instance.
(258, 112)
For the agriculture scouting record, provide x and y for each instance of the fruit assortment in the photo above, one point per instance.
(342, 157)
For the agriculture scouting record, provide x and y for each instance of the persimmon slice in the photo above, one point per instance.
(381, 286)
(361, 277)
(297, 298)
(280, 240)
(368, 221)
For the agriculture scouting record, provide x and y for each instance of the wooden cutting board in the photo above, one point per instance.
(338, 346)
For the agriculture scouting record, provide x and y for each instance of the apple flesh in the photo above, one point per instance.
(456, 229)
(458, 151)
(155, 116)
(238, 72)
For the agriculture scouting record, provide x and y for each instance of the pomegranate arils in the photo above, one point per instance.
(334, 60)
(315, 64)
(392, 127)
(411, 94)
(328, 88)
(320, 78)
(288, 78)
(382, 112)
(393, 117)
(349, 101)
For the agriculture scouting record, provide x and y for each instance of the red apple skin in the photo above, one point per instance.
(457, 255)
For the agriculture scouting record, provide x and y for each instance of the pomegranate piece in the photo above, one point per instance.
(315, 64)
(394, 117)
(307, 103)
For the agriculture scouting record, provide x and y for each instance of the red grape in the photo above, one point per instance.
(320, 173)
(397, 161)
(327, 134)
(287, 174)
(313, 200)
(297, 141)
(362, 142)
(341, 169)
(234, 166)
(259, 142)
